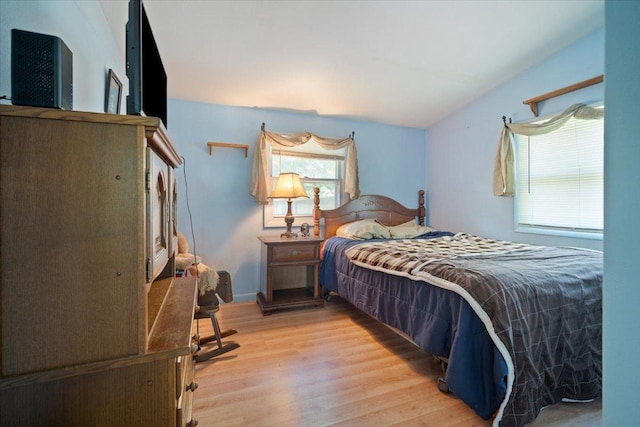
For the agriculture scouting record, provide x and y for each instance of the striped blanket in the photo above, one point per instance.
(542, 307)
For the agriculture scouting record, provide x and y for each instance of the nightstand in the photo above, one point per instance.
(289, 276)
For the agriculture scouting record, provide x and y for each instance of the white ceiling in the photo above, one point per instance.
(407, 63)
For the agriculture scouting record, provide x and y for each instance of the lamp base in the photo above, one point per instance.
(289, 234)
(288, 219)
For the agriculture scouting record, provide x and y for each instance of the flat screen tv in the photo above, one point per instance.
(147, 78)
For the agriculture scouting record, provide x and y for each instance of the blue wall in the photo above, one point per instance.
(84, 29)
(622, 204)
(461, 148)
(226, 219)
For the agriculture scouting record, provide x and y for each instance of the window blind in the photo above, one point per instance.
(560, 177)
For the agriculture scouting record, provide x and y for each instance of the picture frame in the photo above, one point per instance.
(113, 93)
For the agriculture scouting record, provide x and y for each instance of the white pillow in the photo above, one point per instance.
(408, 230)
(363, 229)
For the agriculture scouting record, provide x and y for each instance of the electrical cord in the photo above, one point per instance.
(186, 194)
(193, 236)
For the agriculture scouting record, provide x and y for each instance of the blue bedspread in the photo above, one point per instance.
(438, 320)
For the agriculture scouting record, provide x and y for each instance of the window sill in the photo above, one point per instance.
(278, 222)
(560, 232)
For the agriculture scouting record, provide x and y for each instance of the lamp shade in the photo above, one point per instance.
(288, 186)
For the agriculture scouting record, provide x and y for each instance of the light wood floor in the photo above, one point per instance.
(333, 366)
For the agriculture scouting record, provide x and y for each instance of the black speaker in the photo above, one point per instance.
(41, 71)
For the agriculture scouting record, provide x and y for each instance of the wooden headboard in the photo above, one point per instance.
(386, 210)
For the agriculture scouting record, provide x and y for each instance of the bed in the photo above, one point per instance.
(519, 326)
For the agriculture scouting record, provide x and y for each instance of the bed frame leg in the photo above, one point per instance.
(442, 384)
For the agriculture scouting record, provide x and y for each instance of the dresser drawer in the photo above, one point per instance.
(185, 378)
(186, 385)
(294, 252)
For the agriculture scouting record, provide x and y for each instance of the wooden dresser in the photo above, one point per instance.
(95, 327)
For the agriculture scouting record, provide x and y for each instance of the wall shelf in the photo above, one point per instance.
(533, 102)
(244, 147)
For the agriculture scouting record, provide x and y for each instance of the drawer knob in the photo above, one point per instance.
(194, 347)
(295, 252)
(192, 387)
(192, 423)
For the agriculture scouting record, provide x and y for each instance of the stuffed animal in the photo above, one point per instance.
(207, 277)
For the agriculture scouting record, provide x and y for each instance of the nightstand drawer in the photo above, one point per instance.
(295, 252)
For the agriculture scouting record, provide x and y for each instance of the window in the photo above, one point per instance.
(317, 168)
(560, 180)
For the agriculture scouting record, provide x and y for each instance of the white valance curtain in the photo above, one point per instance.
(504, 168)
(260, 170)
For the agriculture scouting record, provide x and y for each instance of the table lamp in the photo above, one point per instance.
(288, 187)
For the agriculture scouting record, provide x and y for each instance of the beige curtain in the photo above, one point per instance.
(260, 170)
(504, 171)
